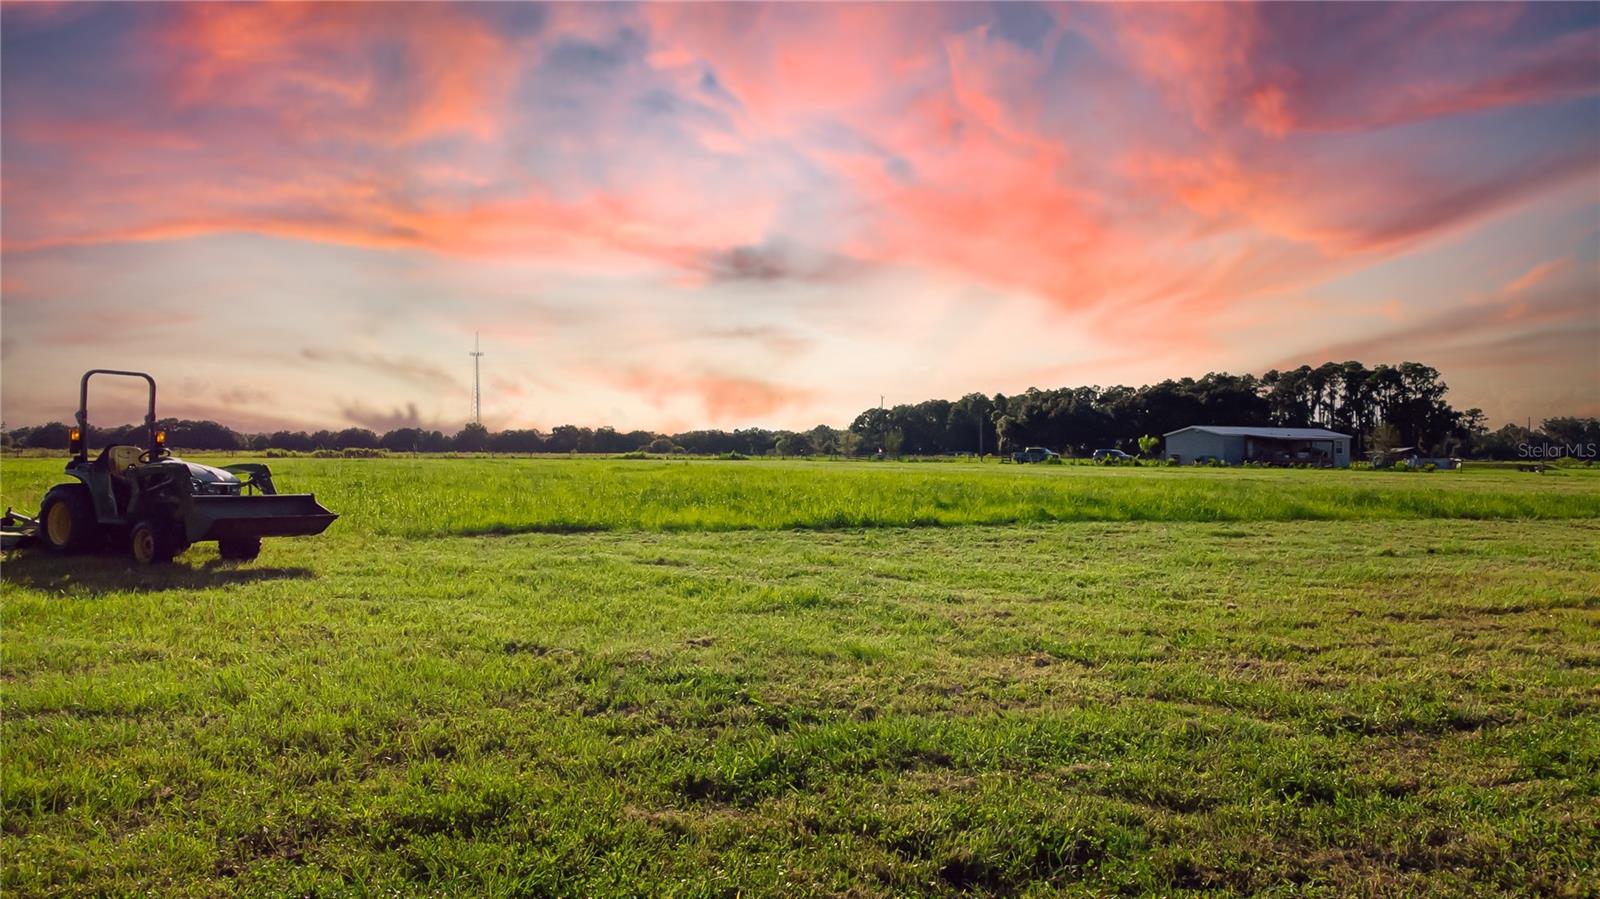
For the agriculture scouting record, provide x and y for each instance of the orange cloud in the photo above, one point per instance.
(1344, 210)
(726, 398)
(1533, 277)
(303, 63)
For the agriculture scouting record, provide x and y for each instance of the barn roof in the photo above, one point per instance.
(1267, 433)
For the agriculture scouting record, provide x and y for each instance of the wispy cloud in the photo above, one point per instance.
(412, 371)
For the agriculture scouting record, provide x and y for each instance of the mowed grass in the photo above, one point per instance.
(421, 497)
(1406, 703)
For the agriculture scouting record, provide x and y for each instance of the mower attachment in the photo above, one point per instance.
(17, 529)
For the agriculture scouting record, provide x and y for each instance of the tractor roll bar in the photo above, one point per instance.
(83, 406)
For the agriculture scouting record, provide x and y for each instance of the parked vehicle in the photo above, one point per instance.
(1111, 455)
(1034, 454)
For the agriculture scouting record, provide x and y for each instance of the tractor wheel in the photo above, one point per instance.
(67, 522)
(153, 542)
(239, 549)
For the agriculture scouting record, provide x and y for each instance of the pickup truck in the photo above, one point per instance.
(1034, 454)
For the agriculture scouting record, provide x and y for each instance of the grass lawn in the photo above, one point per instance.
(551, 677)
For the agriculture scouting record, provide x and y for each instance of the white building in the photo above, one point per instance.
(1275, 446)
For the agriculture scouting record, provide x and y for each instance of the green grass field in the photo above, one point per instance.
(561, 677)
(434, 497)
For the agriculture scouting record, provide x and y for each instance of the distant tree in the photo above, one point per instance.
(662, 445)
(824, 440)
(871, 426)
(758, 441)
(195, 435)
(607, 440)
(402, 440)
(529, 441)
(1148, 444)
(51, 436)
(969, 426)
(708, 443)
(1473, 428)
(100, 437)
(1578, 436)
(1384, 437)
(298, 441)
(474, 438)
(567, 439)
(893, 440)
(1506, 442)
(849, 443)
(792, 444)
(1005, 429)
(355, 438)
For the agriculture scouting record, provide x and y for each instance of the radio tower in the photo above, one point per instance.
(477, 394)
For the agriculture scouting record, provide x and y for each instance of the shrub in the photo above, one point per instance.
(1052, 460)
(733, 456)
(326, 454)
(1402, 466)
(363, 452)
(1430, 467)
(636, 454)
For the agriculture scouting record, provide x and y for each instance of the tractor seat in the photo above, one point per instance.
(117, 457)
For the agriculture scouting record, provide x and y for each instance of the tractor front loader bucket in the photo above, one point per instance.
(266, 515)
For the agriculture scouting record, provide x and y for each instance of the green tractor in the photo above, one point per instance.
(156, 504)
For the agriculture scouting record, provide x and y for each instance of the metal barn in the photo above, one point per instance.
(1274, 446)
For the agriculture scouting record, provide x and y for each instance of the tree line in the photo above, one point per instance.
(1400, 405)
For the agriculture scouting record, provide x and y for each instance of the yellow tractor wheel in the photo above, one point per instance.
(152, 542)
(67, 519)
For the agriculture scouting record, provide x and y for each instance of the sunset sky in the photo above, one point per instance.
(680, 216)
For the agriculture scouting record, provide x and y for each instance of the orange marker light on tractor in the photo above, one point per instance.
(75, 441)
(161, 438)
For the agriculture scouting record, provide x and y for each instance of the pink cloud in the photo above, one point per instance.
(303, 62)
(1280, 72)
(726, 398)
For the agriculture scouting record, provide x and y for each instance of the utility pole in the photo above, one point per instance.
(477, 393)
